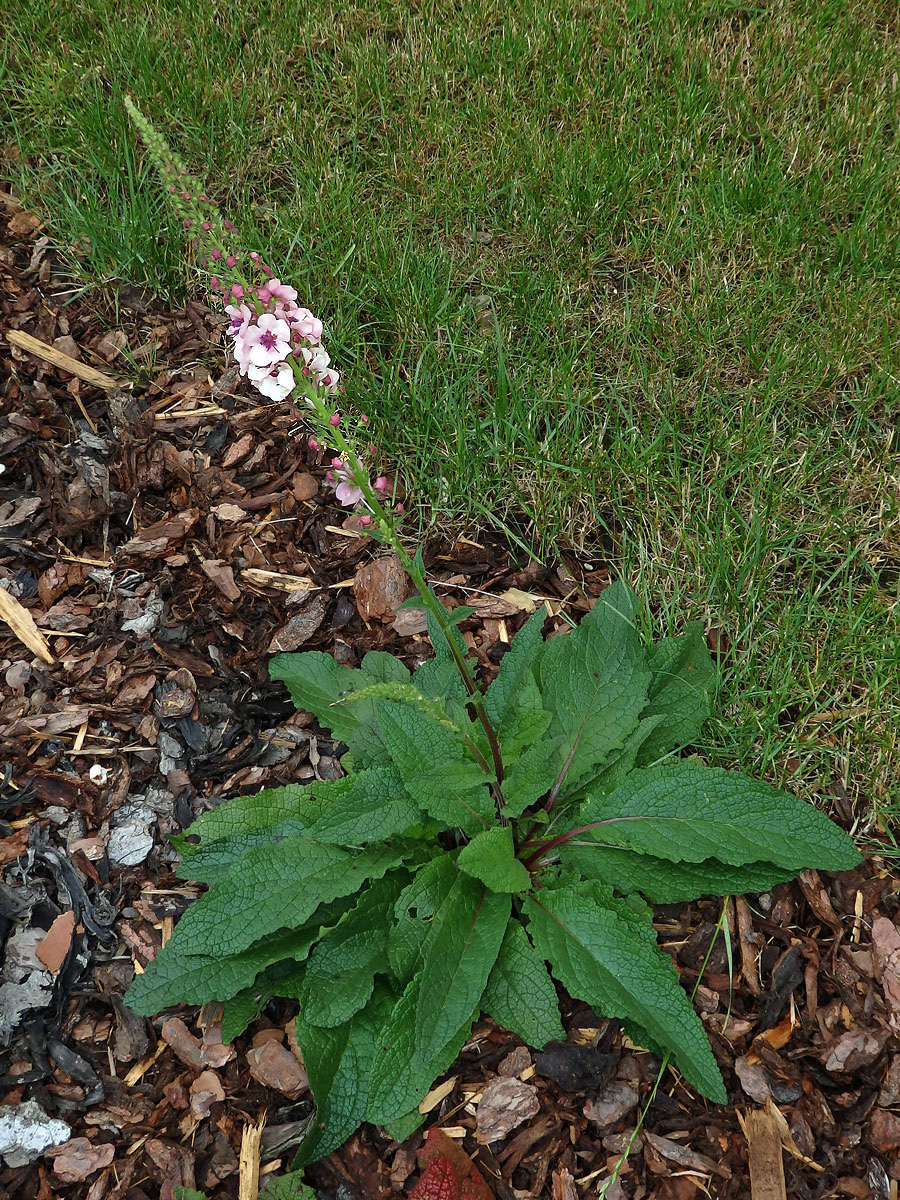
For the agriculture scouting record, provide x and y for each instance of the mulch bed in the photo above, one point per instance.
(167, 537)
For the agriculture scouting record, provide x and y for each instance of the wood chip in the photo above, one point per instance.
(766, 1162)
(53, 948)
(21, 622)
(56, 358)
(248, 1187)
(437, 1094)
(284, 583)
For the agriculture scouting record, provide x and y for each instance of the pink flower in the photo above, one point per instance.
(281, 291)
(302, 321)
(381, 484)
(240, 314)
(345, 490)
(275, 382)
(268, 341)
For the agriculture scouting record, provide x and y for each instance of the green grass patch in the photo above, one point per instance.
(615, 275)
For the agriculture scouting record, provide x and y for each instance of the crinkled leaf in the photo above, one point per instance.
(449, 1173)
(272, 888)
(439, 641)
(339, 1064)
(532, 775)
(665, 882)
(340, 971)
(682, 676)
(491, 858)
(402, 1073)
(240, 1011)
(594, 681)
(515, 672)
(287, 1187)
(434, 769)
(520, 994)
(459, 952)
(382, 667)
(414, 910)
(687, 813)
(604, 952)
(179, 976)
(369, 806)
(316, 682)
(440, 678)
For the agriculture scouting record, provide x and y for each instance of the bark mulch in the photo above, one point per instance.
(166, 537)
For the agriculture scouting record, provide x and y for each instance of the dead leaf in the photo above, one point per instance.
(505, 1104)
(21, 622)
(23, 224)
(154, 541)
(112, 344)
(886, 951)
(447, 1172)
(817, 898)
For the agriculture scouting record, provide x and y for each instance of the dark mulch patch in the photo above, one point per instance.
(166, 538)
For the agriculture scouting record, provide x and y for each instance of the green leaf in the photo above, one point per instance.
(239, 1012)
(179, 976)
(440, 678)
(414, 911)
(522, 729)
(434, 769)
(491, 858)
(682, 675)
(287, 1187)
(515, 671)
(402, 1073)
(459, 952)
(667, 882)
(594, 681)
(520, 994)
(316, 682)
(275, 887)
(339, 1063)
(382, 667)
(605, 953)
(687, 813)
(439, 641)
(368, 806)
(340, 971)
(532, 775)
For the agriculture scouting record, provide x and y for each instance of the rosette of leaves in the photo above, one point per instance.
(427, 886)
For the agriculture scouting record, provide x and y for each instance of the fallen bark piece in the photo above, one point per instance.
(79, 1158)
(884, 1131)
(613, 1103)
(54, 948)
(26, 1132)
(856, 1048)
(273, 1065)
(886, 951)
(300, 627)
(562, 1185)
(380, 588)
(176, 1034)
(505, 1104)
(56, 358)
(685, 1157)
(154, 541)
(766, 1160)
(222, 576)
(206, 1090)
(21, 622)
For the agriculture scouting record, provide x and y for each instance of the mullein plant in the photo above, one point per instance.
(483, 845)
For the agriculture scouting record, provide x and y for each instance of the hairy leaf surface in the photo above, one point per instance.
(687, 813)
(491, 858)
(605, 953)
(520, 994)
(682, 674)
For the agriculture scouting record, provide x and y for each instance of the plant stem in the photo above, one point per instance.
(389, 534)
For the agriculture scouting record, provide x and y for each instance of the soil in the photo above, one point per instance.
(168, 533)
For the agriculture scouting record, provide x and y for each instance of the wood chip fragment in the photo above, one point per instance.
(437, 1094)
(766, 1162)
(21, 622)
(248, 1186)
(56, 358)
(284, 583)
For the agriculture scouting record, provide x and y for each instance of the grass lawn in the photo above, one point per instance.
(621, 275)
